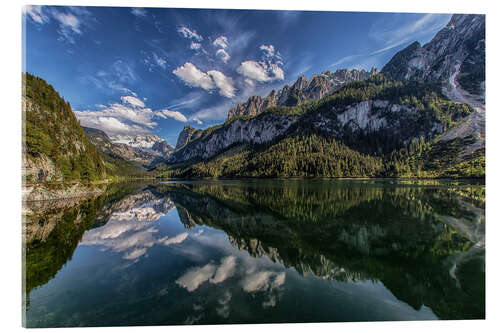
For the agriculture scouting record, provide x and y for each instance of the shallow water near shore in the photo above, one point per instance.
(258, 251)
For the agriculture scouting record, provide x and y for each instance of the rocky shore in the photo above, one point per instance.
(43, 192)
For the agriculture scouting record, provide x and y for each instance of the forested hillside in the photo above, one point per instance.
(55, 146)
(397, 136)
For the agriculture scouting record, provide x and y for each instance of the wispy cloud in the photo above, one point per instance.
(132, 100)
(401, 29)
(189, 34)
(191, 98)
(216, 112)
(153, 61)
(395, 33)
(221, 42)
(223, 55)
(195, 46)
(71, 21)
(117, 77)
(165, 113)
(139, 12)
(36, 13)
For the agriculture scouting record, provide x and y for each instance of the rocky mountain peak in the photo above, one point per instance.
(457, 50)
(303, 90)
(184, 136)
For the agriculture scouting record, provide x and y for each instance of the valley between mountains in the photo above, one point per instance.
(422, 115)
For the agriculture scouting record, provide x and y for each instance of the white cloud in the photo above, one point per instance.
(139, 12)
(260, 71)
(194, 277)
(279, 280)
(134, 101)
(224, 83)
(69, 25)
(36, 14)
(253, 70)
(225, 270)
(126, 231)
(261, 281)
(190, 34)
(171, 114)
(193, 76)
(130, 117)
(68, 20)
(277, 72)
(221, 42)
(175, 240)
(268, 50)
(160, 61)
(195, 46)
(255, 282)
(197, 121)
(224, 309)
(221, 53)
(250, 82)
(153, 60)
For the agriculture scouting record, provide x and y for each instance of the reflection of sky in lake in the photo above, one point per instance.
(144, 267)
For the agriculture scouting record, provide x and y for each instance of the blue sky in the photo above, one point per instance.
(154, 70)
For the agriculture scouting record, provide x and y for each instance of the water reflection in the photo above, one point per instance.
(252, 252)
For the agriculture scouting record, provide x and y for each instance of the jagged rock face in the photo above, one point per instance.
(163, 147)
(184, 136)
(301, 91)
(254, 131)
(366, 117)
(460, 41)
(40, 169)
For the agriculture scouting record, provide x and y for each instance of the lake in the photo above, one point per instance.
(257, 251)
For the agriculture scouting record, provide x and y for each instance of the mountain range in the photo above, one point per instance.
(422, 115)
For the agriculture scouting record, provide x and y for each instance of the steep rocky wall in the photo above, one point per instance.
(254, 131)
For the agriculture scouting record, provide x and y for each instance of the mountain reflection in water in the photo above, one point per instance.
(257, 252)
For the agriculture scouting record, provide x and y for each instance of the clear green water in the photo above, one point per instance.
(214, 252)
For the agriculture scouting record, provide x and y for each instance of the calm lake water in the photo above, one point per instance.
(216, 252)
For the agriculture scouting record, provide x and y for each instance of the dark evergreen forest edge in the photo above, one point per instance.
(52, 130)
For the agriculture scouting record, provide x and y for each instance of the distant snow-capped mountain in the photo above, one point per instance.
(149, 142)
